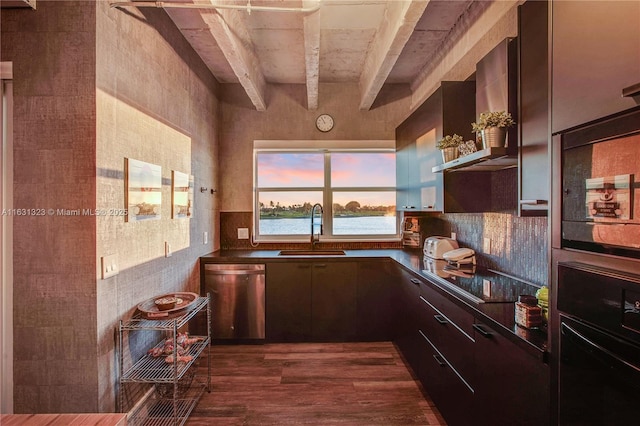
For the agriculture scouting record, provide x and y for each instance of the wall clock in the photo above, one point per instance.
(324, 122)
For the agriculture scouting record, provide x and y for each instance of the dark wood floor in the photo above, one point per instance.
(313, 384)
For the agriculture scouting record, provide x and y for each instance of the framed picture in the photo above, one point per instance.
(143, 190)
(181, 195)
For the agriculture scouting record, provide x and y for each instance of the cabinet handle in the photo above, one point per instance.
(320, 265)
(415, 281)
(441, 362)
(533, 202)
(631, 91)
(479, 329)
(441, 320)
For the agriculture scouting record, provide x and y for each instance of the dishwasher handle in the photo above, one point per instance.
(234, 272)
(233, 269)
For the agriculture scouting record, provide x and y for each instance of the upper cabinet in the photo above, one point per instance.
(596, 56)
(449, 110)
(533, 108)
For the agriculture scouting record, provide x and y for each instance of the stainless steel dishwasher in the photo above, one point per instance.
(237, 300)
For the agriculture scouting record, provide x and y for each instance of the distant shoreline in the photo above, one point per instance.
(343, 216)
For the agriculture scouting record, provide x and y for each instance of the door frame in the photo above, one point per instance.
(6, 237)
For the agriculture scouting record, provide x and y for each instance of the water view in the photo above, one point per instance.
(356, 225)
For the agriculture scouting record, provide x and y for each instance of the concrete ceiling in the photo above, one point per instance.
(368, 42)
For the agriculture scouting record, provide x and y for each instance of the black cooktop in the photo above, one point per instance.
(477, 284)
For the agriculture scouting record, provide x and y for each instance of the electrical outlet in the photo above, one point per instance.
(109, 266)
(243, 233)
(205, 237)
(486, 248)
(167, 249)
(486, 288)
(453, 235)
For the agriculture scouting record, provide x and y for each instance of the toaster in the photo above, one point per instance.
(436, 247)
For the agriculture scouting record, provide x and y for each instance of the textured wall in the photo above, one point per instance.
(156, 105)
(93, 85)
(53, 54)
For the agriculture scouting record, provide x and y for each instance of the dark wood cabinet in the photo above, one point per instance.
(375, 303)
(333, 301)
(449, 110)
(311, 301)
(451, 394)
(407, 289)
(450, 330)
(511, 386)
(446, 368)
(288, 302)
(596, 54)
(533, 96)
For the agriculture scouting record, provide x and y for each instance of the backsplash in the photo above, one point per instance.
(518, 244)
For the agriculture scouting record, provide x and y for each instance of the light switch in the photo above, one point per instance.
(109, 266)
(167, 249)
(453, 235)
(487, 246)
(205, 237)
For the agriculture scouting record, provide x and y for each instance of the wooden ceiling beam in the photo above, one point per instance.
(312, 53)
(229, 29)
(399, 23)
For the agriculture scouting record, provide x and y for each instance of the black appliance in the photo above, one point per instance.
(601, 186)
(475, 284)
(599, 346)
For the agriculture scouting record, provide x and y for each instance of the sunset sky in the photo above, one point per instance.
(282, 170)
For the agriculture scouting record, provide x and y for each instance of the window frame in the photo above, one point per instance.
(326, 148)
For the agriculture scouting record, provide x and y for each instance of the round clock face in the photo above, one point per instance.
(324, 122)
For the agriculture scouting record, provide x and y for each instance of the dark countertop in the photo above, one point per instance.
(498, 316)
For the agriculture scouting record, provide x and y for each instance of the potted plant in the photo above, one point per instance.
(493, 128)
(449, 147)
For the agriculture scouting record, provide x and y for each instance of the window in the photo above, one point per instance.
(357, 183)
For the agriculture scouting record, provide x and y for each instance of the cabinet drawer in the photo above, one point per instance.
(462, 319)
(448, 337)
(449, 390)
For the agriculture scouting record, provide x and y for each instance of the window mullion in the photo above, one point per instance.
(327, 197)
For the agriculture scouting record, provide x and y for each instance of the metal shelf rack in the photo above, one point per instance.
(181, 392)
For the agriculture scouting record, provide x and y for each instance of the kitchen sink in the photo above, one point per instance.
(311, 253)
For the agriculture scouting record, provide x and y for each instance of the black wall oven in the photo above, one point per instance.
(601, 186)
(599, 346)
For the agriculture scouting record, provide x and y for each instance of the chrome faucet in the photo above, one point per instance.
(314, 240)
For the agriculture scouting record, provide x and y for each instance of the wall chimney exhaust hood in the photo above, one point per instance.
(496, 90)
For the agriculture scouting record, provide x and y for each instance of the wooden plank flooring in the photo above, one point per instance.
(313, 384)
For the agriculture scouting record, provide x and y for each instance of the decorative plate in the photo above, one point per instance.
(150, 310)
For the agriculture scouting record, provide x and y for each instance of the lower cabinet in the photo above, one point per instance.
(407, 298)
(444, 384)
(333, 301)
(446, 364)
(473, 374)
(288, 302)
(310, 301)
(375, 304)
(511, 379)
